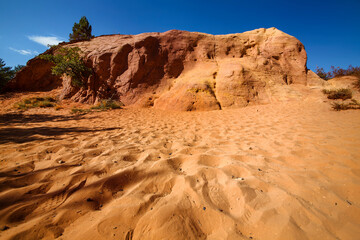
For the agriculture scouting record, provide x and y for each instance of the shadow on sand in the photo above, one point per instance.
(12, 127)
(19, 118)
(23, 135)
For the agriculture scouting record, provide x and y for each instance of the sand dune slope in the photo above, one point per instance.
(287, 170)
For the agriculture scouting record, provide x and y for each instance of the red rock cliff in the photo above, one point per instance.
(180, 70)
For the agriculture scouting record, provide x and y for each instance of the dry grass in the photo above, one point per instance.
(342, 93)
(337, 72)
(345, 106)
(357, 84)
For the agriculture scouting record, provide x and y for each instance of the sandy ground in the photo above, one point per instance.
(287, 170)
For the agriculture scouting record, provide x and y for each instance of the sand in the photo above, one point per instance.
(286, 170)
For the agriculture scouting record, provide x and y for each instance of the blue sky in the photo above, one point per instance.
(330, 30)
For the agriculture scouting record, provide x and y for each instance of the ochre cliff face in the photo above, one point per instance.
(179, 70)
(35, 76)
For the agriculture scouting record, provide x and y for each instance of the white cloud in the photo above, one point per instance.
(45, 40)
(24, 52)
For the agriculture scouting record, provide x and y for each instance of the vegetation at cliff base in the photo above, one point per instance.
(80, 111)
(81, 30)
(69, 61)
(108, 104)
(34, 102)
(103, 105)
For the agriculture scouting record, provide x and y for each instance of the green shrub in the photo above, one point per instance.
(69, 62)
(80, 111)
(35, 102)
(102, 106)
(18, 67)
(108, 104)
(45, 104)
(21, 106)
(6, 74)
(343, 93)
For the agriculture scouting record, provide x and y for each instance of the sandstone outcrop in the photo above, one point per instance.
(180, 70)
(35, 76)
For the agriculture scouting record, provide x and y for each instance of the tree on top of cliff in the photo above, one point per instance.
(81, 30)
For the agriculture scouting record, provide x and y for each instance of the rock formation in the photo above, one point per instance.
(180, 70)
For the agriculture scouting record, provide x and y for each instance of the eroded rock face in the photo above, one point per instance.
(35, 76)
(181, 70)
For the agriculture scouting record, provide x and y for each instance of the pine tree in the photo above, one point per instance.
(6, 74)
(81, 30)
(17, 68)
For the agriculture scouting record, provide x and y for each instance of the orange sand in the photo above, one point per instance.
(287, 170)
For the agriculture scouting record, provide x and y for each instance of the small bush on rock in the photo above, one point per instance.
(68, 61)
